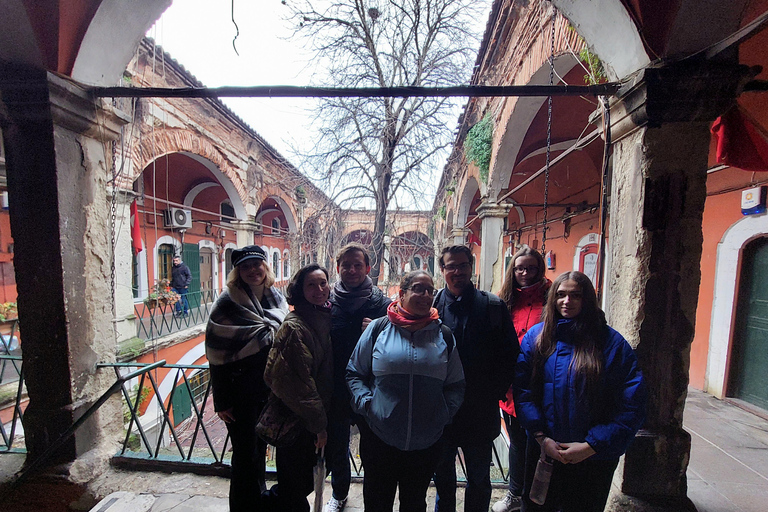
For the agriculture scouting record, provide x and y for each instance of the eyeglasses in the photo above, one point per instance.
(420, 289)
(523, 270)
(460, 267)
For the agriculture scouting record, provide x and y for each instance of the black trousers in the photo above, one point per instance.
(295, 480)
(248, 456)
(581, 487)
(387, 468)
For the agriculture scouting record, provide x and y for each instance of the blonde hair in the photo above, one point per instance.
(233, 279)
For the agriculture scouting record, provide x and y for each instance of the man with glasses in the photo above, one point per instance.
(355, 302)
(488, 348)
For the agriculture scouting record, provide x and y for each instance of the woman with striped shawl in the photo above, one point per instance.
(238, 337)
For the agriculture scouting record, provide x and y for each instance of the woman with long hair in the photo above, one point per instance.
(300, 373)
(238, 337)
(524, 292)
(580, 394)
(407, 382)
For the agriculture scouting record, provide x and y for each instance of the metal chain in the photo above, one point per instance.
(112, 224)
(549, 134)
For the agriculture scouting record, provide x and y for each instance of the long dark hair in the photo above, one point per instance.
(294, 293)
(588, 335)
(508, 292)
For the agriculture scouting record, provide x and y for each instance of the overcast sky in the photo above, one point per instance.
(199, 34)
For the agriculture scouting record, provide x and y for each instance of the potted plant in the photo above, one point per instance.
(162, 295)
(8, 312)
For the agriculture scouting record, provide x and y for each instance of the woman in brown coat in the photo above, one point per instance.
(300, 373)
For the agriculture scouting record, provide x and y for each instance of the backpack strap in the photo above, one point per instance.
(448, 337)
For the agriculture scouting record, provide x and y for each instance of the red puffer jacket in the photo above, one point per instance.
(525, 314)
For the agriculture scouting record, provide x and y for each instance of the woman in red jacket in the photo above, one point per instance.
(525, 292)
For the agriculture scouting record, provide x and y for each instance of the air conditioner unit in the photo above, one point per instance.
(177, 218)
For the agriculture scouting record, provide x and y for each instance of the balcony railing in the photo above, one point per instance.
(158, 320)
(12, 391)
(180, 430)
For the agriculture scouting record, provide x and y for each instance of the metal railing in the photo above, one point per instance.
(154, 320)
(180, 427)
(11, 391)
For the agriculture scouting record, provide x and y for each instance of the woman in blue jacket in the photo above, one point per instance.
(580, 395)
(407, 382)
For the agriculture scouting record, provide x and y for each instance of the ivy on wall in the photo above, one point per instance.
(478, 144)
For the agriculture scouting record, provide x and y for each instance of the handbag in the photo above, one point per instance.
(278, 425)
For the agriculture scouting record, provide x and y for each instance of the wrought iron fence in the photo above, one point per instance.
(169, 417)
(155, 319)
(12, 391)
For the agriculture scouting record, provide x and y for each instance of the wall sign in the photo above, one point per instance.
(753, 200)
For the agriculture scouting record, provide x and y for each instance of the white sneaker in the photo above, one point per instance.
(335, 505)
(509, 503)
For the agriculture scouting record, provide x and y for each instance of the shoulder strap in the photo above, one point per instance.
(378, 325)
(448, 337)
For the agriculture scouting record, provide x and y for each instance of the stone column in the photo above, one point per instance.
(492, 216)
(459, 236)
(125, 315)
(661, 125)
(57, 142)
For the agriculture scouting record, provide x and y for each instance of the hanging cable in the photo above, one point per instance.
(549, 133)
(236, 28)
(604, 197)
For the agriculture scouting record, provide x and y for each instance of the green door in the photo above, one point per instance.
(191, 257)
(181, 404)
(749, 359)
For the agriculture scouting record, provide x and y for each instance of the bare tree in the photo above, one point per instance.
(384, 150)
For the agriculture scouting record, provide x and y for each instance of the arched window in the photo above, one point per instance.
(276, 265)
(286, 266)
(227, 211)
(275, 226)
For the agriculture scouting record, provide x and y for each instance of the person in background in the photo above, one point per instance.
(487, 345)
(181, 278)
(300, 373)
(238, 337)
(354, 302)
(407, 383)
(524, 292)
(580, 394)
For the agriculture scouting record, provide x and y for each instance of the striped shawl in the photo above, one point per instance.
(240, 326)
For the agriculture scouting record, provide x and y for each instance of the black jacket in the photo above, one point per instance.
(488, 348)
(346, 329)
(181, 277)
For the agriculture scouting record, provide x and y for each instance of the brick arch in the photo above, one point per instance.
(284, 200)
(519, 112)
(161, 142)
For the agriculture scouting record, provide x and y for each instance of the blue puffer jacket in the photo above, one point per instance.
(608, 421)
(407, 386)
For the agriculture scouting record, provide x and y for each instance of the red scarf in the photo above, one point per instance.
(401, 317)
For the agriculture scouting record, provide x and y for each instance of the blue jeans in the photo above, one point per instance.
(477, 458)
(337, 455)
(182, 301)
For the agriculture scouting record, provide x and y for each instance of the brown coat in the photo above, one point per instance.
(300, 365)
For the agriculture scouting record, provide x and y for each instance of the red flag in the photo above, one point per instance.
(739, 142)
(135, 228)
(473, 239)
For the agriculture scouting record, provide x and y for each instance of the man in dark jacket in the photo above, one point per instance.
(181, 278)
(355, 302)
(488, 348)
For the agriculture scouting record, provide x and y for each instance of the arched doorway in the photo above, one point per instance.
(748, 379)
